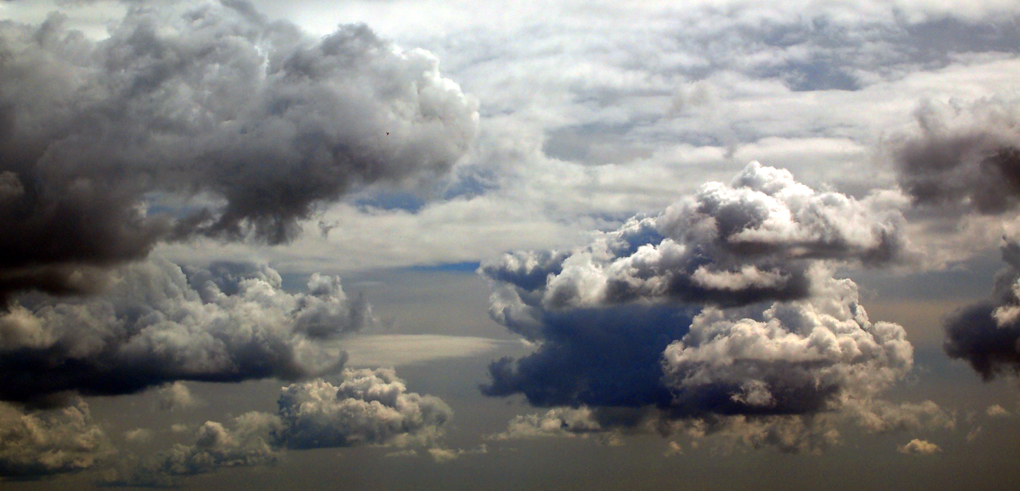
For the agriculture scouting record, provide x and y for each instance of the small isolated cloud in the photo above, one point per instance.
(367, 407)
(556, 422)
(138, 435)
(175, 396)
(997, 411)
(444, 455)
(973, 434)
(40, 443)
(407, 349)
(158, 324)
(919, 447)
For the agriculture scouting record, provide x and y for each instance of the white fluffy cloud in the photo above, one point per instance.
(806, 355)
(366, 407)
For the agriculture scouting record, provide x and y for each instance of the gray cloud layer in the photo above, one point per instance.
(157, 325)
(211, 121)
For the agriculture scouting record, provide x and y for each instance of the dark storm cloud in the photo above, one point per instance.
(48, 442)
(987, 334)
(366, 407)
(211, 121)
(154, 327)
(966, 156)
(720, 310)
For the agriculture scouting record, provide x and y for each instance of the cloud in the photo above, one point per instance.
(748, 241)
(987, 334)
(719, 315)
(40, 443)
(620, 322)
(408, 349)
(209, 120)
(997, 411)
(798, 357)
(246, 442)
(175, 396)
(964, 155)
(444, 455)
(366, 407)
(157, 325)
(919, 447)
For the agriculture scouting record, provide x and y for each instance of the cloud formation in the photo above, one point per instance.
(157, 324)
(366, 407)
(208, 120)
(987, 334)
(919, 447)
(722, 309)
(49, 442)
(964, 155)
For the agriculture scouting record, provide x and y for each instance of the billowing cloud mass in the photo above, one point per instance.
(721, 308)
(159, 323)
(48, 442)
(207, 120)
(366, 407)
(987, 334)
(748, 241)
(964, 155)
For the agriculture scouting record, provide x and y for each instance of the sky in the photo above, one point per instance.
(407, 244)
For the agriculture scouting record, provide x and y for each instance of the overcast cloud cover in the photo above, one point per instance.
(260, 236)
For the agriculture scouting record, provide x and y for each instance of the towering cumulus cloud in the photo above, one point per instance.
(721, 306)
(157, 325)
(210, 120)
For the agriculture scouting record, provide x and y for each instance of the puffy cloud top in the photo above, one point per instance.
(804, 356)
(748, 241)
(368, 406)
(211, 120)
(48, 442)
(154, 326)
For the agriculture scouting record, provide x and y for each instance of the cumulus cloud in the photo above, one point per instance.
(721, 312)
(997, 411)
(919, 447)
(747, 241)
(49, 442)
(964, 155)
(799, 357)
(246, 442)
(987, 334)
(366, 407)
(208, 119)
(157, 325)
